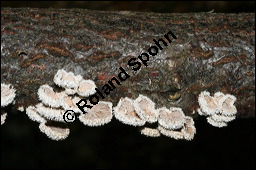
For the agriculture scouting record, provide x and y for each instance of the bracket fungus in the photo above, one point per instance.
(43, 114)
(187, 131)
(74, 83)
(7, 97)
(49, 97)
(150, 132)
(227, 107)
(207, 103)
(170, 133)
(220, 108)
(86, 88)
(53, 105)
(54, 132)
(67, 80)
(171, 122)
(125, 112)
(50, 113)
(145, 109)
(33, 115)
(99, 115)
(172, 118)
(7, 94)
(215, 123)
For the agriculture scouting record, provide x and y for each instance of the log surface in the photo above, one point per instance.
(212, 52)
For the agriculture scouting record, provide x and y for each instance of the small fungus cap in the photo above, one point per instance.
(49, 97)
(50, 113)
(207, 104)
(98, 115)
(67, 79)
(7, 94)
(170, 133)
(227, 105)
(150, 132)
(125, 112)
(216, 123)
(33, 115)
(3, 117)
(172, 118)
(145, 108)
(54, 132)
(189, 129)
(86, 88)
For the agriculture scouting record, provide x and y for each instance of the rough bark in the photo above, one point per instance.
(213, 52)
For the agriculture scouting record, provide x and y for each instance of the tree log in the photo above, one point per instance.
(213, 52)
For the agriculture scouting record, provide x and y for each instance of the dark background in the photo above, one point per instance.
(121, 146)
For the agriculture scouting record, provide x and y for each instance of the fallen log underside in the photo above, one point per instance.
(213, 52)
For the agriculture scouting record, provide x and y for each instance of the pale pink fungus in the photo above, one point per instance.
(99, 115)
(145, 108)
(125, 112)
(172, 118)
(54, 132)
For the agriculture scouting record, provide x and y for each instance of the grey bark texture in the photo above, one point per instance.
(212, 52)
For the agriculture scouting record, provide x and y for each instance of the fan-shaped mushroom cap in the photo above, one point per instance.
(50, 113)
(170, 133)
(86, 88)
(67, 80)
(207, 104)
(227, 105)
(49, 97)
(54, 132)
(145, 109)
(189, 129)
(216, 123)
(33, 115)
(125, 112)
(98, 115)
(172, 118)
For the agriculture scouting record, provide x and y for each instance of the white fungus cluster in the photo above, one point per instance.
(99, 115)
(74, 84)
(219, 108)
(54, 104)
(7, 98)
(171, 122)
